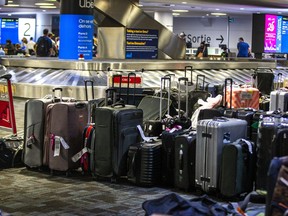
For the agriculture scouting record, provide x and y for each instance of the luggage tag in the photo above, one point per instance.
(146, 139)
(77, 156)
(57, 146)
(31, 141)
(64, 144)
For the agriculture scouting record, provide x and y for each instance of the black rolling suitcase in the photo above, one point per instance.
(153, 123)
(144, 163)
(272, 142)
(238, 168)
(263, 80)
(184, 165)
(115, 131)
(273, 173)
(168, 144)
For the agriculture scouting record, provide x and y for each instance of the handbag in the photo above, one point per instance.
(200, 54)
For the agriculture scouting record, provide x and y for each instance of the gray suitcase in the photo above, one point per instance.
(279, 100)
(211, 136)
(34, 123)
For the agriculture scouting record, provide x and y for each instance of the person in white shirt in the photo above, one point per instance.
(31, 46)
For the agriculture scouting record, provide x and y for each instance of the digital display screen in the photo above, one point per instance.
(9, 30)
(276, 34)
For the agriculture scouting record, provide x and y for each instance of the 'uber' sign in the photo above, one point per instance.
(86, 4)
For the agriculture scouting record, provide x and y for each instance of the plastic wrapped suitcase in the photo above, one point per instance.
(115, 131)
(144, 163)
(184, 165)
(212, 135)
(243, 97)
(238, 166)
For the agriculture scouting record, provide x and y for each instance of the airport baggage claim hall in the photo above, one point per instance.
(108, 122)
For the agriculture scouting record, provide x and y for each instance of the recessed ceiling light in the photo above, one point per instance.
(217, 9)
(242, 8)
(184, 2)
(140, 5)
(44, 4)
(175, 14)
(172, 5)
(218, 14)
(180, 11)
(207, 14)
(279, 12)
(9, 14)
(12, 5)
(47, 6)
(44, 10)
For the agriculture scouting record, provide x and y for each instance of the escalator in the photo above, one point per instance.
(116, 16)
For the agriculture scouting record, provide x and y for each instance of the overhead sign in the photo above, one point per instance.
(27, 28)
(141, 44)
(9, 30)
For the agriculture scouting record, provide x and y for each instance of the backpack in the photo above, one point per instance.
(42, 48)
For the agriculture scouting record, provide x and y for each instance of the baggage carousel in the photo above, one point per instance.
(34, 77)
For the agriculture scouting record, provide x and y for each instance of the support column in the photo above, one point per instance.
(165, 19)
(42, 21)
(76, 29)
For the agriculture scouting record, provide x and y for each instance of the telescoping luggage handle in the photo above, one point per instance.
(86, 88)
(54, 93)
(120, 85)
(225, 92)
(203, 82)
(279, 78)
(131, 74)
(163, 87)
(185, 80)
(189, 68)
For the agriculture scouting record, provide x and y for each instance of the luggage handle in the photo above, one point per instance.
(191, 73)
(220, 119)
(279, 77)
(120, 84)
(118, 103)
(185, 79)
(57, 89)
(113, 90)
(163, 81)
(80, 105)
(225, 92)
(203, 82)
(86, 88)
(128, 87)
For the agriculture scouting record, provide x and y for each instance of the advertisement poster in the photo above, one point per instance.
(79, 40)
(141, 44)
(270, 33)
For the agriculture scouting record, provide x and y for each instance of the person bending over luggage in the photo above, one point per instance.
(243, 48)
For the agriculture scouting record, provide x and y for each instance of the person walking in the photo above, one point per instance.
(30, 46)
(243, 48)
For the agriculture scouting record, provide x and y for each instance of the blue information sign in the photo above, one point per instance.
(141, 44)
(9, 30)
(76, 36)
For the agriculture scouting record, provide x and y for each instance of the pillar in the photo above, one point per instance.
(42, 21)
(76, 29)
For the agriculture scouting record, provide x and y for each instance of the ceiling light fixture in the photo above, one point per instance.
(218, 14)
(180, 11)
(217, 9)
(175, 14)
(184, 2)
(44, 4)
(12, 5)
(47, 6)
(172, 5)
(140, 5)
(242, 8)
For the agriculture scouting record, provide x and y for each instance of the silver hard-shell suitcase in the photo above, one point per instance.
(279, 100)
(212, 135)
